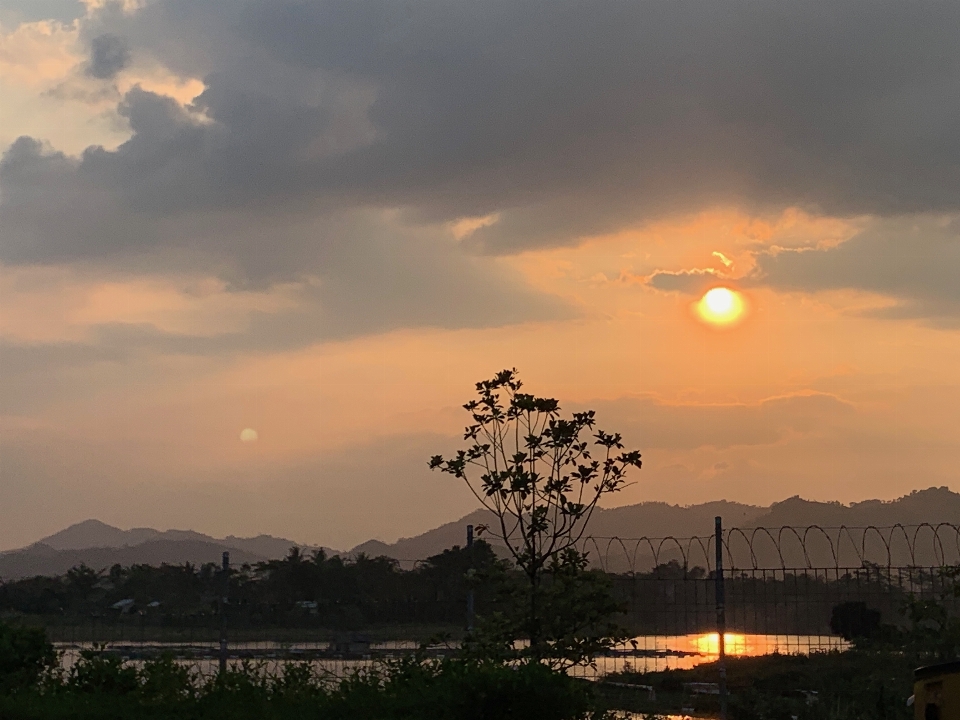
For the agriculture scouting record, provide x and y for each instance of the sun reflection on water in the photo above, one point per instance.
(734, 644)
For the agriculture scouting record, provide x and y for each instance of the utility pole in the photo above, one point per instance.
(721, 619)
(224, 591)
(470, 608)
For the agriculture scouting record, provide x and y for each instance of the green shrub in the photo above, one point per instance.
(25, 654)
(459, 690)
(163, 680)
(98, 671)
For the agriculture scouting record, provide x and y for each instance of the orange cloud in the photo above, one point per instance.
(48, 305)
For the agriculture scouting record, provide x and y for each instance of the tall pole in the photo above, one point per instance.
(721, 619)
(225, 587)
(470, 579)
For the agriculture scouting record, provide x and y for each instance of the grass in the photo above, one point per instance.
(101, 686)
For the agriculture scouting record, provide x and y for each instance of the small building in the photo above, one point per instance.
(124, 606)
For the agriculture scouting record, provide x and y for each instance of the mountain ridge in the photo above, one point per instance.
(99, 545)
(661, 520)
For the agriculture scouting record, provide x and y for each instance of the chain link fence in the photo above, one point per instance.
(786, 590)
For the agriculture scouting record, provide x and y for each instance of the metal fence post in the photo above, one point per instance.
(470, 608)
(721, 620)
(225, 580)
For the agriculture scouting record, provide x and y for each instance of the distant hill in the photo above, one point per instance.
(653, 519)
(95, 534)
(661, 520)
(42, 559)
(100, 546)
(933, 505)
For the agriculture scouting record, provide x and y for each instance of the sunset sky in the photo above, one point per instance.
(323, 221)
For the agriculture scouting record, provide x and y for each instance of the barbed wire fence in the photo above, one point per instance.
(786, 547)
(780, 589)
(787, 590)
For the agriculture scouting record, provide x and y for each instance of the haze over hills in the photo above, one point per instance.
(99, 545)
(661, 520)
(96, 534)
(651, 519)
(933, 506)
(39, 559)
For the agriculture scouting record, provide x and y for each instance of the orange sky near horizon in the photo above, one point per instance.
(177, 416)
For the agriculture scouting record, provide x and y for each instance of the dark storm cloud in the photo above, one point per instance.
(914, 261)
(364, 270)
(566, 118)
(109, 55)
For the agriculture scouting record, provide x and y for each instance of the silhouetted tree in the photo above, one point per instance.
(854, 620)
(542, 480)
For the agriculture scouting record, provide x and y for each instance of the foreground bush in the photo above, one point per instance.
(851, 685)
(101, 686)
(25, 655)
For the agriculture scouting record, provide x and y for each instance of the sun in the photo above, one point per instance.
(720, 306)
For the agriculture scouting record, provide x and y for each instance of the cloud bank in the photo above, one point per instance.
(915, 262)
(566, 117)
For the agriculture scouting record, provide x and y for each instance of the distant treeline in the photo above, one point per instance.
(673, 600)
(334, 592)
(301, 588)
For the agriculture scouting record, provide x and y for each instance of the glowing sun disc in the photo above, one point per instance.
(248, 435)
(720, 306)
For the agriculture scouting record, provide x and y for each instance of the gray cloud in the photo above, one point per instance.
(109, 55)
(915, 261)
(362, 270)
(691, 282)
(14, 12)
(567, 119)
(368, 288)
(372, 278)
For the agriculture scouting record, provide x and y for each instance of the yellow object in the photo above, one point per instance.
(721, 307)
(936, 692)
